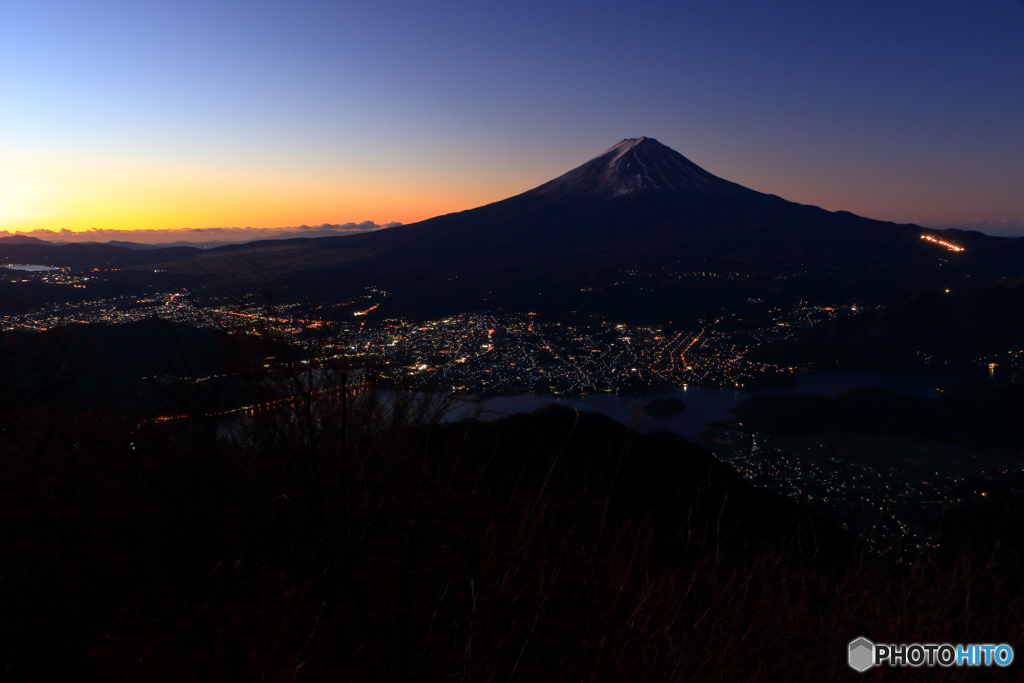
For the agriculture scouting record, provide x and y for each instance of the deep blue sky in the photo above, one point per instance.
(198, 114)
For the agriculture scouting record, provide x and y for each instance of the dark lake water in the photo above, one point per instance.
(30, 269)
(708, 405)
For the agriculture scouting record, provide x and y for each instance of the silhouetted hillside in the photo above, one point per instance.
(955, 325)
(113, 367)
(985, 415)
(359, 539)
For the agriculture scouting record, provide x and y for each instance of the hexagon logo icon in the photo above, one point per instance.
(862, 654)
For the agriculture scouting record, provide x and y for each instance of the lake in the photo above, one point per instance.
(705, 405)
(30, 269)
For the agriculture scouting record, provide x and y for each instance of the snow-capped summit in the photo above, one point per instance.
(636, 165)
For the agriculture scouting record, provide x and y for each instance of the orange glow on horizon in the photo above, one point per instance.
(83, 216)
(93, 192)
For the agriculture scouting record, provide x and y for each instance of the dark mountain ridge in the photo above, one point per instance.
(89, 254)
(21, 239)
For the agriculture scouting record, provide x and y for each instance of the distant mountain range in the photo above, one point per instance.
(28, 239)
(263, 234)
(22, 239)
(639, 233)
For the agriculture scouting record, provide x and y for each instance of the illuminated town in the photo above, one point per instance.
(498, 353)
(881, 488)
(869, 482)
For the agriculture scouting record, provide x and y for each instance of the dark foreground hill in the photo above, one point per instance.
(118, 368)
(364, 541)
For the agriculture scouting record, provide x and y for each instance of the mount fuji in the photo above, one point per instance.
(638, 233)
(642, 233)
(637, 165)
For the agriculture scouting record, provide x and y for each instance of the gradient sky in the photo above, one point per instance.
(141, 115)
